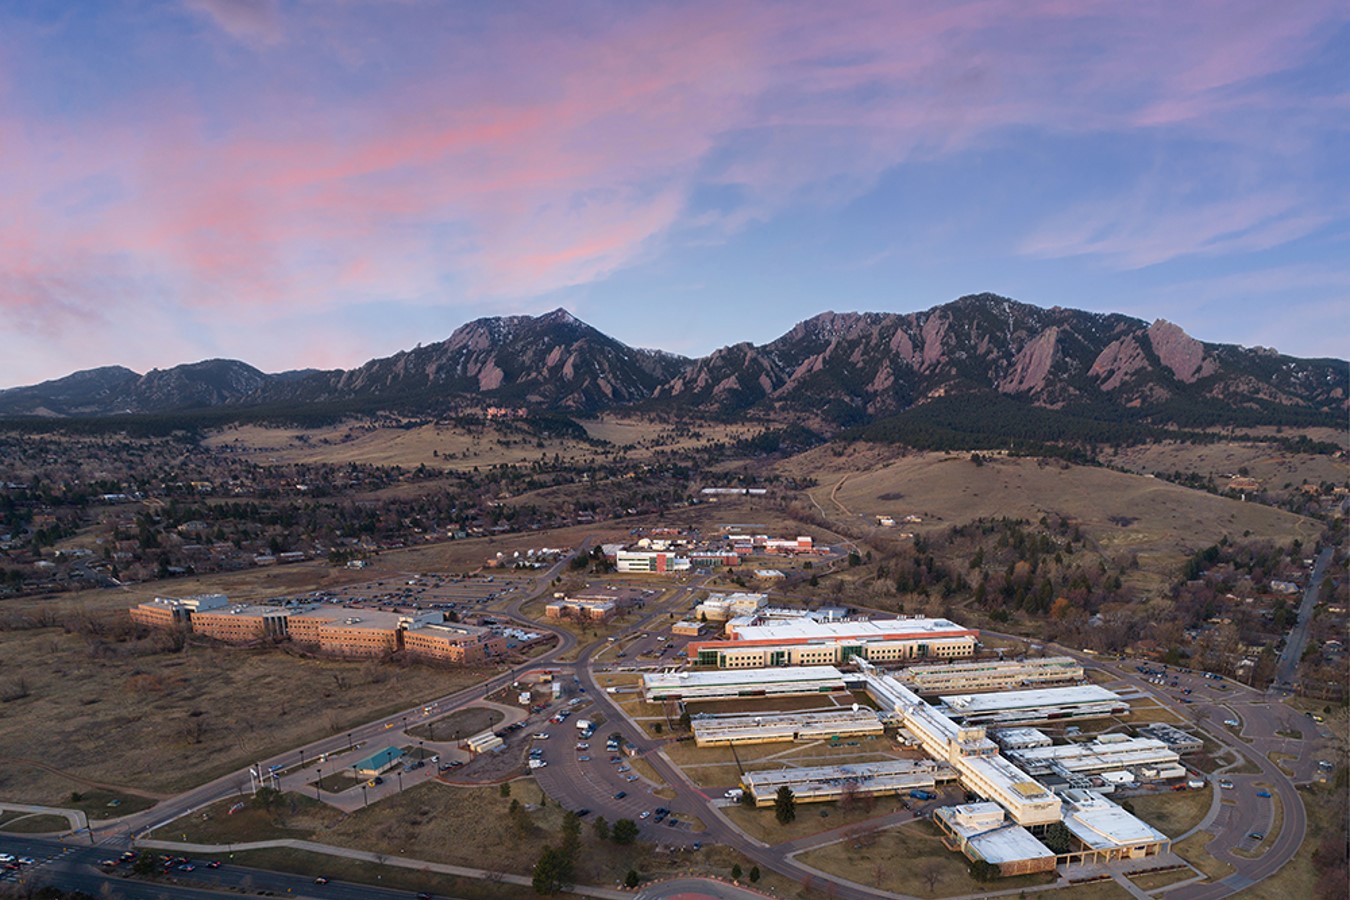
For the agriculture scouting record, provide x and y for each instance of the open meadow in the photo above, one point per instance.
(1119, 512)
(449, 446)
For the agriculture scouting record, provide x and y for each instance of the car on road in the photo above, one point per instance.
(1231, 723)
(1263, 794)
(1256, 836)
(321, 880)
(1226, 784)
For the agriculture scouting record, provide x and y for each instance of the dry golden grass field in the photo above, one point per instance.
(1277, 471)
(102, 709)
(1173, 812)
(456, 825)
(1162, 521)
(872, 860)
(452, 447)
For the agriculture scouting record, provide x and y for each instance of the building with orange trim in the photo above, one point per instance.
(809, 642)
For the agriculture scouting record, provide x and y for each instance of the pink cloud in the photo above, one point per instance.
(524, 157)
(250, 21)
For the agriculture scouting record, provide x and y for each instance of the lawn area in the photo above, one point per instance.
(338, 782)
(910, 859)
(1096, 890)
(1151, 881)
(138, 712)
(432, 821)
(1141, 713)
(1173, 812)
(458, 724)
(812, 818)
(293, 816)
(103, 804)
(35, 823)
(1279, 760)
(1193, 851)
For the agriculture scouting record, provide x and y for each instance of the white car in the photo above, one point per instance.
(645, 813)
(541, 736)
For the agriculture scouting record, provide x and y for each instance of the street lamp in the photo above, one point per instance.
(400, 781)
(364, 801)
(302, 759)
(349, 740)
(318, 782)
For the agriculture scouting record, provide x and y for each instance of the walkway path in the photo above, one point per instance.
(75, 818)
(383, 859)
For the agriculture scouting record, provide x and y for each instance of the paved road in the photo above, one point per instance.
(1298, 635)
(77, 868)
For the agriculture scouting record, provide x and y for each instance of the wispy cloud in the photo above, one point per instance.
(441, 154)
(251, 21)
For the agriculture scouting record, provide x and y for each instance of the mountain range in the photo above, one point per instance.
(837, 368)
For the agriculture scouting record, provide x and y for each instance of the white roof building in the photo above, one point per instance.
(1103, 826)
(741, 683)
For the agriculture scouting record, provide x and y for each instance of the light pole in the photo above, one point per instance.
(318, 782)
(349, 740)
(400, 781)
(302, 759)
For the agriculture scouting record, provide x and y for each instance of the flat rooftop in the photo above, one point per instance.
(991, 665)
(1009, 843)
(896, 768)
(967, 704)
(1102, 825)
(810, 724)
(874, 630)
(735, 677)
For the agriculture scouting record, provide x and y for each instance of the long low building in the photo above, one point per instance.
(1107, 752)
(1106, 832)
(823, 783)
(810, 642)
(991, 675)
(1041, 705)
(338, 630)
(966, 748)
(658, 687)
(719, 731)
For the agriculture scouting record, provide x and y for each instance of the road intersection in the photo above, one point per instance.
(1266, 727)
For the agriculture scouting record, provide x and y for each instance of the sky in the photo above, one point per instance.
(314, 183)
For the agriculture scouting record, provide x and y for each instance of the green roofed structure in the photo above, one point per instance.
(379, 763)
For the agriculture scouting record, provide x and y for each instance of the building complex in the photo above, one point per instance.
(338, 630)
(810, 642)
